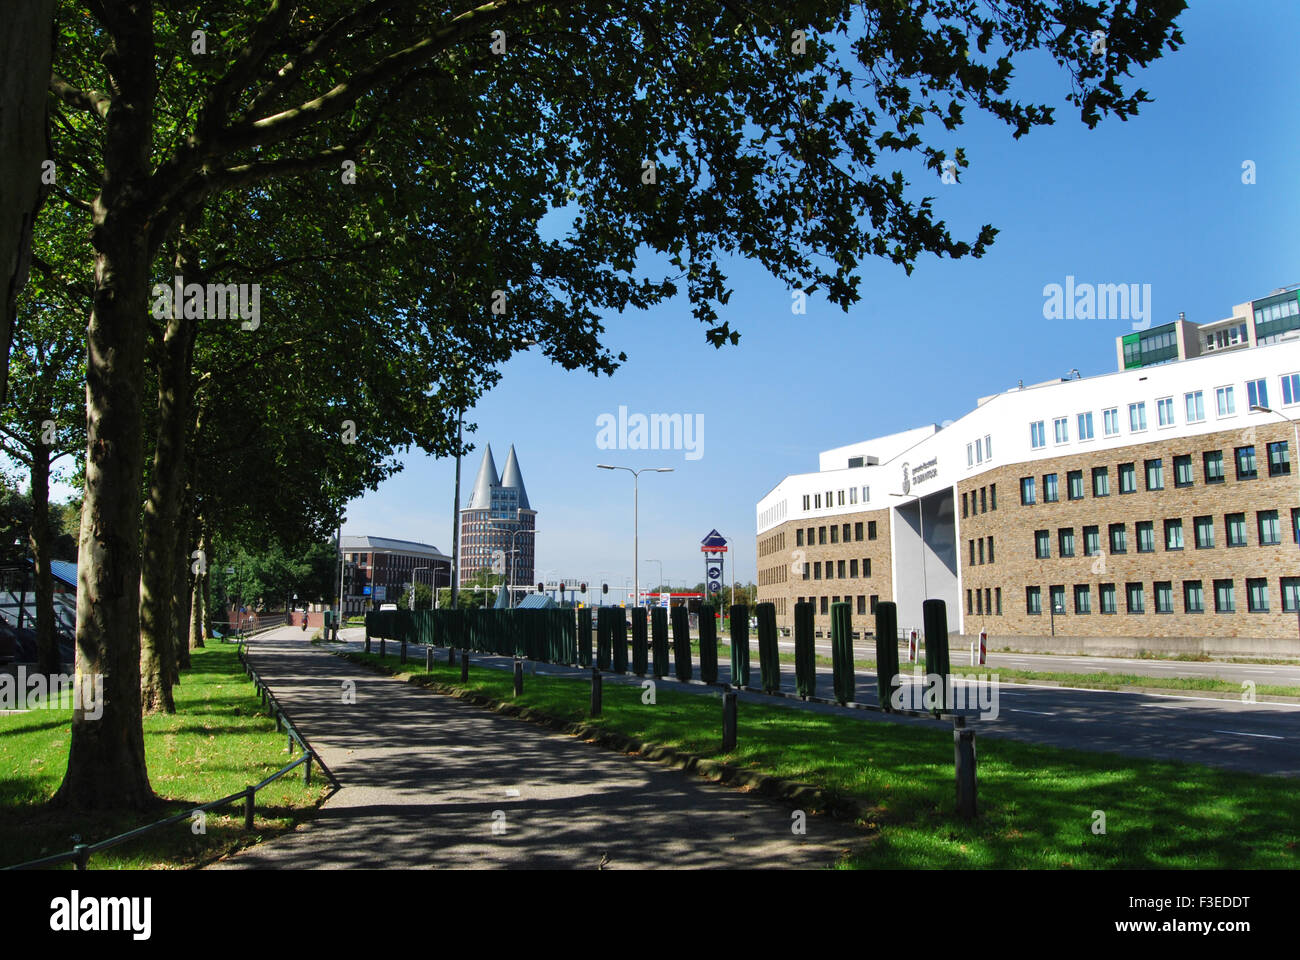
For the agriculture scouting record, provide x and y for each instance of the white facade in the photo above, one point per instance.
(1023, 425)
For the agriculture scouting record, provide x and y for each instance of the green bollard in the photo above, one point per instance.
(769, 654)
(604, 636)
(659, 630)
(887, 679)
(708, 644)
(682, 642)
(938, 678)
(584, 637)
(805, 664)
(842, 651)
(639, 647)
(739, 617)
(618, 629)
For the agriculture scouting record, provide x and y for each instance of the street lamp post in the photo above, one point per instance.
(517, 523)
(661, 571)
(415, 571)
(636, 506)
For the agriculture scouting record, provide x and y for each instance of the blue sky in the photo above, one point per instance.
(1157, 200)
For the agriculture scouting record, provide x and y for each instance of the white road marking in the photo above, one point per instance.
(1242, 733)
(1039, 712)
(512, 792)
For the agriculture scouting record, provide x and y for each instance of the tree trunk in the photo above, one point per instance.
(196, 617)
(26, 45)
(106, 761)
(160, 529)
(206, 547)
(182, 590)
(47, 647)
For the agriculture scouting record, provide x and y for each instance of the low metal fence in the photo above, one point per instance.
(81, 853)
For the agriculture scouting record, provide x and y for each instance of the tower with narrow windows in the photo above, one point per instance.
(498, 517)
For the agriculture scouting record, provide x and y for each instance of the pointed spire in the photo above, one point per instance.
(513, 479)
(481, 498)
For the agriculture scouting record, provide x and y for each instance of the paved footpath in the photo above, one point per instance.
(425, 778)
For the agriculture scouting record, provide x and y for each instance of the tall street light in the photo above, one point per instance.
(414, 578)
(503, 526)
(636, 546)
(1260, 408)
(661, 572)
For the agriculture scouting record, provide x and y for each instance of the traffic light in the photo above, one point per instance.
(604, 588)
(541, 587)
(561, 589)
(582, 587)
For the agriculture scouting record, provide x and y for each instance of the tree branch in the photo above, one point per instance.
(94, 102)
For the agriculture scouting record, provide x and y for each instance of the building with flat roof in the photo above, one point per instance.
(1255, 323)
(381, 569)
(498, 526)
(1152, 502)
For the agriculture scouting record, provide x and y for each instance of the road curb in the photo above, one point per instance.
(805, 796)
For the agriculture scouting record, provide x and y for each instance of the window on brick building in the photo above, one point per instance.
(1074, 480)
(1225, 600)
(1257, 595)
(1082, 598)
(1033, 600)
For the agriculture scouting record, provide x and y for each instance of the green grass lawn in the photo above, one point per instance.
(217, 743)
(1037, 803)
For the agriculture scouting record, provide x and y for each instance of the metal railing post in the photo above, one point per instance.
(249, 793)
(597, 693)
(464, 666)
(964, 763)
(519, 677)
(728, 722)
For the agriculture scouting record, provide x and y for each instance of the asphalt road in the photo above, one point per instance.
(1260, 673)
(1253, 737)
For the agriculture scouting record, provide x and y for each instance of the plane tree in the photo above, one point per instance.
(670, 136)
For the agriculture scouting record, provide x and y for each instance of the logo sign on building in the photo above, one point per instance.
(381, 593)
(926, 471)
(907, 478)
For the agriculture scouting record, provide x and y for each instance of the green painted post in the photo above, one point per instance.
(739, 617)
(604, 636)
(805, 664)
(708, 644)
(618, 625)
(584, 637)
(659, 632)
(639, 647)
(887, 678)
(938, 673)
(682, 642)
(769, 654)
(842, 651)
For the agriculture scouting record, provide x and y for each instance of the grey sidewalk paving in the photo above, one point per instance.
(431, 781)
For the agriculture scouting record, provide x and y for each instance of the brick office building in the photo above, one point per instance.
(381, 569)
(1154, 502)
